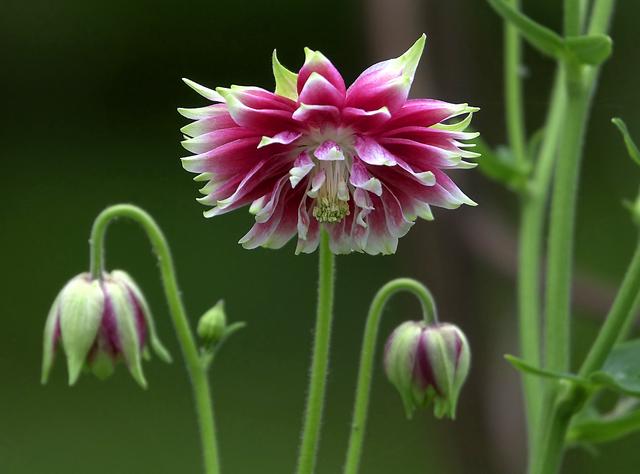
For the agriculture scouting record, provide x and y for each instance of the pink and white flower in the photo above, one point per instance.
(362, 162)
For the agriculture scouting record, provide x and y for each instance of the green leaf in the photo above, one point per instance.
(621, 370)
(501, 166)
(525, 367)
(592, 49)
(540, 37)
(605, 428)
(632, 148)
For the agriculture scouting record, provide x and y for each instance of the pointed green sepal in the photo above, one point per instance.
(81, 306)
(286, 81)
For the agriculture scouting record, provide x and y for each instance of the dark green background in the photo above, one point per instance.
(89, 96)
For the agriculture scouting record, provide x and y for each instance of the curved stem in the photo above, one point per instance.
(197, 372)
(365, 371)
(319, 361)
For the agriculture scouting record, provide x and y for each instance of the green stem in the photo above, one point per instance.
(621, 311)
(367, 356)
(513, 90)
(320, 360)
(580, 86)
(197, 372)
(561, 230)
(531, 238)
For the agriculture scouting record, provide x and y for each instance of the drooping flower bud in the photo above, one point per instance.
(427, 363)
(99, 322)
(212, 324)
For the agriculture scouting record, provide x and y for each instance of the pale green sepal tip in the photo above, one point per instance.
(47, 346)
(412, 56)
(286, 81)
(205, 92)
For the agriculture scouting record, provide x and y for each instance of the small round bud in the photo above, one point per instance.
(99, 322)
(428, 363)
(213, 324)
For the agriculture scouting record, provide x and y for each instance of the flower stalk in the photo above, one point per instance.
(367, 357)
(196, 369)
(320, 359)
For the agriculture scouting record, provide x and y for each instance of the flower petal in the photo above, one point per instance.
(319, 91)
(362, 120)
(360, 178)
(301, 168)
(315, 61)
(282, 138)
(329, 151)
(386, 83)
(370, 151)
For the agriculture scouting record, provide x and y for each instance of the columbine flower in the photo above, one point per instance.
(427, 363)
(363, 162)
(99, 322)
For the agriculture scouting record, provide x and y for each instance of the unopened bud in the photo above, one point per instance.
(213, 324)
(99, 322)
(428, 363)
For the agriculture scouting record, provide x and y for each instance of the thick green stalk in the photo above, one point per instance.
(530, 250)
(561, 229)
(367, 358)
(580, 86)
(320, 360)
(197, 372)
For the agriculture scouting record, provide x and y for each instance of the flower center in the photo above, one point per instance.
(330, 182)
(332, 203)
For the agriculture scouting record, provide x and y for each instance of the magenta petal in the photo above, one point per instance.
(319, 91)
(329, 151)
(282, 138)
(371, 152)
(423, 113)
(391, 95)
(317, 114)
(301, 168)
(360, 178)
(397, 223)
(309, 244)
(210, 140)
(362, 120)
(315, 61)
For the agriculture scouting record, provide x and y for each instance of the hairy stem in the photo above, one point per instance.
(197, 373)
(320, 360)
(367, 356)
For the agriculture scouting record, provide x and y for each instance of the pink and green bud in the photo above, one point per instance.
(428, 363)
(99, 322)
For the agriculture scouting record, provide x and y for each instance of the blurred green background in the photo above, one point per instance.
(89, 97)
